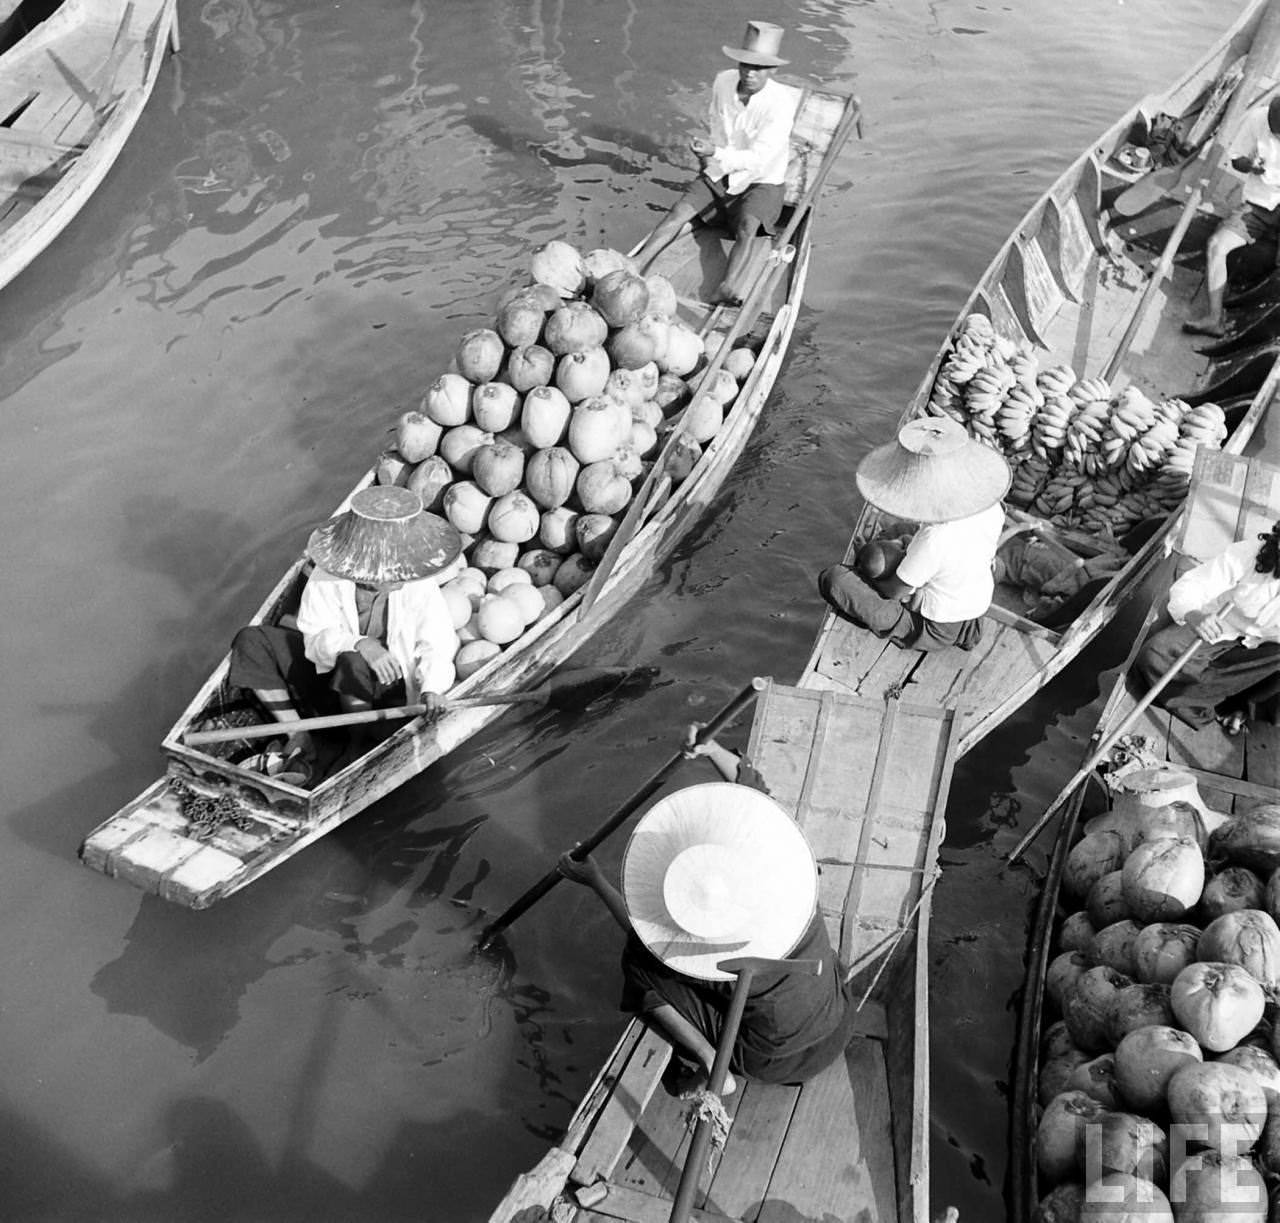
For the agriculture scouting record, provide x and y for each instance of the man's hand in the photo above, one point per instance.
(1208, 627)
(434, 704)
(702, 147)
(580, 870)
(384, 666)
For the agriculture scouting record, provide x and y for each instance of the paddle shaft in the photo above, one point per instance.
(358, 718)
(1158, 275)
(1107, 744)
(746, 969)
(637, 800)
(640, 506)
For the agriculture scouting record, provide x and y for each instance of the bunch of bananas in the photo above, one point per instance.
(1057, 380)
(1029, 478)
(983, 396)
(946, 399)
(1181, 458)
(1205, 425)
(1015, 415)
(1049, 429)
(1058, 496)
(1105, 491)
(1148, 451)
(1082, 449)
(967, 357)
(1172, 409)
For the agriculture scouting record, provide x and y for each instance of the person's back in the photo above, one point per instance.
(949, 563)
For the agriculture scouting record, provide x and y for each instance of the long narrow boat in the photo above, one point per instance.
(1232, 776)
(867, 781)
(71, 92)
(154, 841)
(1067, 330)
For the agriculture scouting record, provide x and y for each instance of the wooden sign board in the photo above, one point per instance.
(1231, 497)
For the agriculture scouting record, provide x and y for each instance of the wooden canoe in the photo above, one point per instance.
(1236, 498)
(867, 781)
(71, 92)
(151, 843)
(1069, 287)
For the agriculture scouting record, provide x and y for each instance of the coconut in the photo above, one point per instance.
(1217, 1186)
(1060, 1134)
(429, 479)
(559, 265)
(662, 297)
(544, 416)
(527, 598)
(1249, 938)
(575, 327)
(500, 619)
(530, 366)
(479, 355)
(1094, 855)
(1126, 1142)
(473, 655)
(492, 556)
(574, 571)
(1119, 1197)
(459, 605)
(1162, 879)
(505, 578)
(1087, 1007)
(466, 506)
(740, 362)
(1113, 945)
(498, 468)
(1229, 891)
(582, 375)
(556, 530)
(1251, 839)
(683, 352)
(549, 476)
(632, 346)
(1222, 1098)
(1106, 903)
(1147, 1058)
(1097, 1078)
(1262, 1066)
(1219, 1004)
(594, 532)
(513, 518)
(1176, 819)
(520, 320)
(1076, 932)
(540, 564)
(416, 436)
(1055, 1074)
(391, 468)
(458, 446)
(603, 260)
(682, 458)
(620, 297)
(1057, 1040)
(448, 400)
(1163, 949)
(1138, 1006)
(601, 489)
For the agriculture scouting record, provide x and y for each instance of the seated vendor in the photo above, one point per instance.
(1231, 604)
(933, 474)
(373, 627)
(711, 873)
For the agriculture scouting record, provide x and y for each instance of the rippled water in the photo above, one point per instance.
(319, 200)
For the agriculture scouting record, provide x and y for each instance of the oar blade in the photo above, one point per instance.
(579, 687)
(1150, 189)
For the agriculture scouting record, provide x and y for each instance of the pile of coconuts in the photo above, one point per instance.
(540, 433)
(1159, 1084)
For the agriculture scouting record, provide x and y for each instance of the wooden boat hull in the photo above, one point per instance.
(150, 841)
(1067, 284)
(54, 149)
(1233, 774)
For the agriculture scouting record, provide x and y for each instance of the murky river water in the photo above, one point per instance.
(319, 200)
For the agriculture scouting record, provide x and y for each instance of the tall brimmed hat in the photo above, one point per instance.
(384, 536)
(759, 45)
(718, 871)
(933, 472)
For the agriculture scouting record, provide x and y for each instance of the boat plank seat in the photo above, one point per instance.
(1031, 287)
(1262, 754)
(1070, 237)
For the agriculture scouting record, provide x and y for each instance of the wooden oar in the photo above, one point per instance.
(642, 503)
(618, 818)
(1158, 274)
(567, 689)
(1107, 744)
(746, 968)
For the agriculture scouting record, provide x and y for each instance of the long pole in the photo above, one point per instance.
(548, 881)
(1107, 744)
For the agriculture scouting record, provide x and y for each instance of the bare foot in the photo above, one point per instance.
(1204, 326)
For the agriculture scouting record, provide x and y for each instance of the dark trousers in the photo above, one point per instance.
(856, 599)
(1224, 677)
(267, 656)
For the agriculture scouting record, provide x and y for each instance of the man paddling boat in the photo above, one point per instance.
(742, 165)
(1256, 155)
(372, 628)
(1231, 604)
(937, 594)
(717, 872)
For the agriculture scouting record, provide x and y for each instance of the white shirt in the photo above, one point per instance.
(1256, 139)
(1231, 577)
(949, 563)
(753, 142)
(420, 633)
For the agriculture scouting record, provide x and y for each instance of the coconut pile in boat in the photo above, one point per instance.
(1159, 1080)
(536, 439)
(1083, 456)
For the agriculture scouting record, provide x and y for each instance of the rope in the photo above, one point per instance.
(707, 1106)
(206, 814)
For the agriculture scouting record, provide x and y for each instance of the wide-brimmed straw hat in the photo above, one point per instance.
(718, 871)
(759, 45)
(933, 472)
(384, 536)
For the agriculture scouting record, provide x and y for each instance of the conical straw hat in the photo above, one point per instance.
(384, 536)
(933, 472)
(717, 871)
